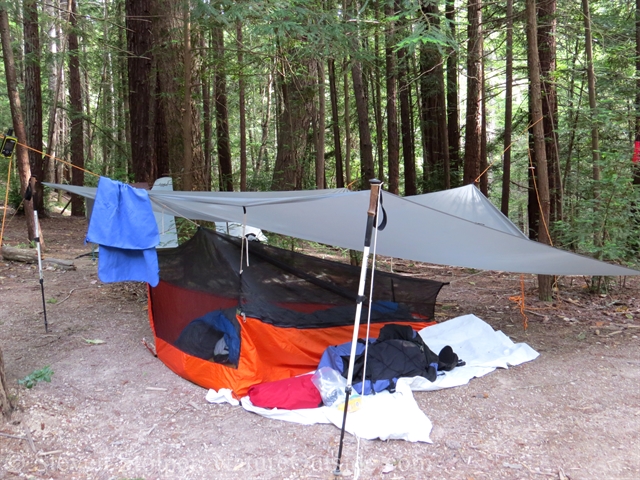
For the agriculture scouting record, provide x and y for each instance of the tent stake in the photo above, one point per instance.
(372, 214)
(37, 240)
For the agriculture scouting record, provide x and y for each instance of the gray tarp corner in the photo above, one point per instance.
(457, 227)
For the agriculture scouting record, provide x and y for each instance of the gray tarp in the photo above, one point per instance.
(457, 227)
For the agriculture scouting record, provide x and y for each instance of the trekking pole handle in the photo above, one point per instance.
(373, 198)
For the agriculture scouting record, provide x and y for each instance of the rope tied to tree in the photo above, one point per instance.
(519, 300)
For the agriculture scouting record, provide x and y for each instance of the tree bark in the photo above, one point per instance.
(33, 99)
(508, 114)
(408, 154)
(595, 138)
(6, 406)
(541, 174)
(474, 93)
(294, 123)
(24, 169)
(547, 44)
(241, 109)
(367, 169)
(453, 122)
(76, 114)
(206, 118)
(320, 128)
(636, 166)
(433, 114)
(391, 67)
(187, 155)
(347, 123)
(222, 114)
(335, 120)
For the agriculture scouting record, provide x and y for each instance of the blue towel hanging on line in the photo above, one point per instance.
(122, 223)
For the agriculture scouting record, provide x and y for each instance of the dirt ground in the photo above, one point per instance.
(113, 411)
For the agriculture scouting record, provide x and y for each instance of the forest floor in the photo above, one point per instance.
(114, 411)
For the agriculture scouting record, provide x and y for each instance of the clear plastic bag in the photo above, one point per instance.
(331, 385)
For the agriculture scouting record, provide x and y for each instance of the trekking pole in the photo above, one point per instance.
(37, 240)
(372, 214)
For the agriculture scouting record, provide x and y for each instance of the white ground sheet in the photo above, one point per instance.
(397, 415)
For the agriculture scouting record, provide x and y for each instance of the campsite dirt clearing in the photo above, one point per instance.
(113, 411)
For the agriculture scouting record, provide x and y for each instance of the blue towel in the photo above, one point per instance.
(122, 223)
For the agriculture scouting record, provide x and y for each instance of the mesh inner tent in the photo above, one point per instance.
(283, 288)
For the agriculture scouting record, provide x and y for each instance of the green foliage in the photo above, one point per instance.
(15, 197)
(186, 229)
(42, 375)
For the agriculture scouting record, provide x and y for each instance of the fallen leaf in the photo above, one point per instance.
(96, 341)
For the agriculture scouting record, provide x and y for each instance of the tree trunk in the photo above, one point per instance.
(474, 94)
(636, 165)
(16, 115)
(508, 114)
(367, 169)
(376, 90)
(542, 177)
(484, 163)
(222, 114)
(294, 122)
(547, 44)
(453, 123)
(320, 128)
(347, 124)
(433, 114)
(76, 114)
(335, 119)
(6, 406)
(391, 67)
(595, 140)
(33, 99)
(241, 109)
(187, 150)
(408, 155)
(266, 121)
(206, 118)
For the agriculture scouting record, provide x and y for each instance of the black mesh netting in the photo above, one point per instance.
(281, 287)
